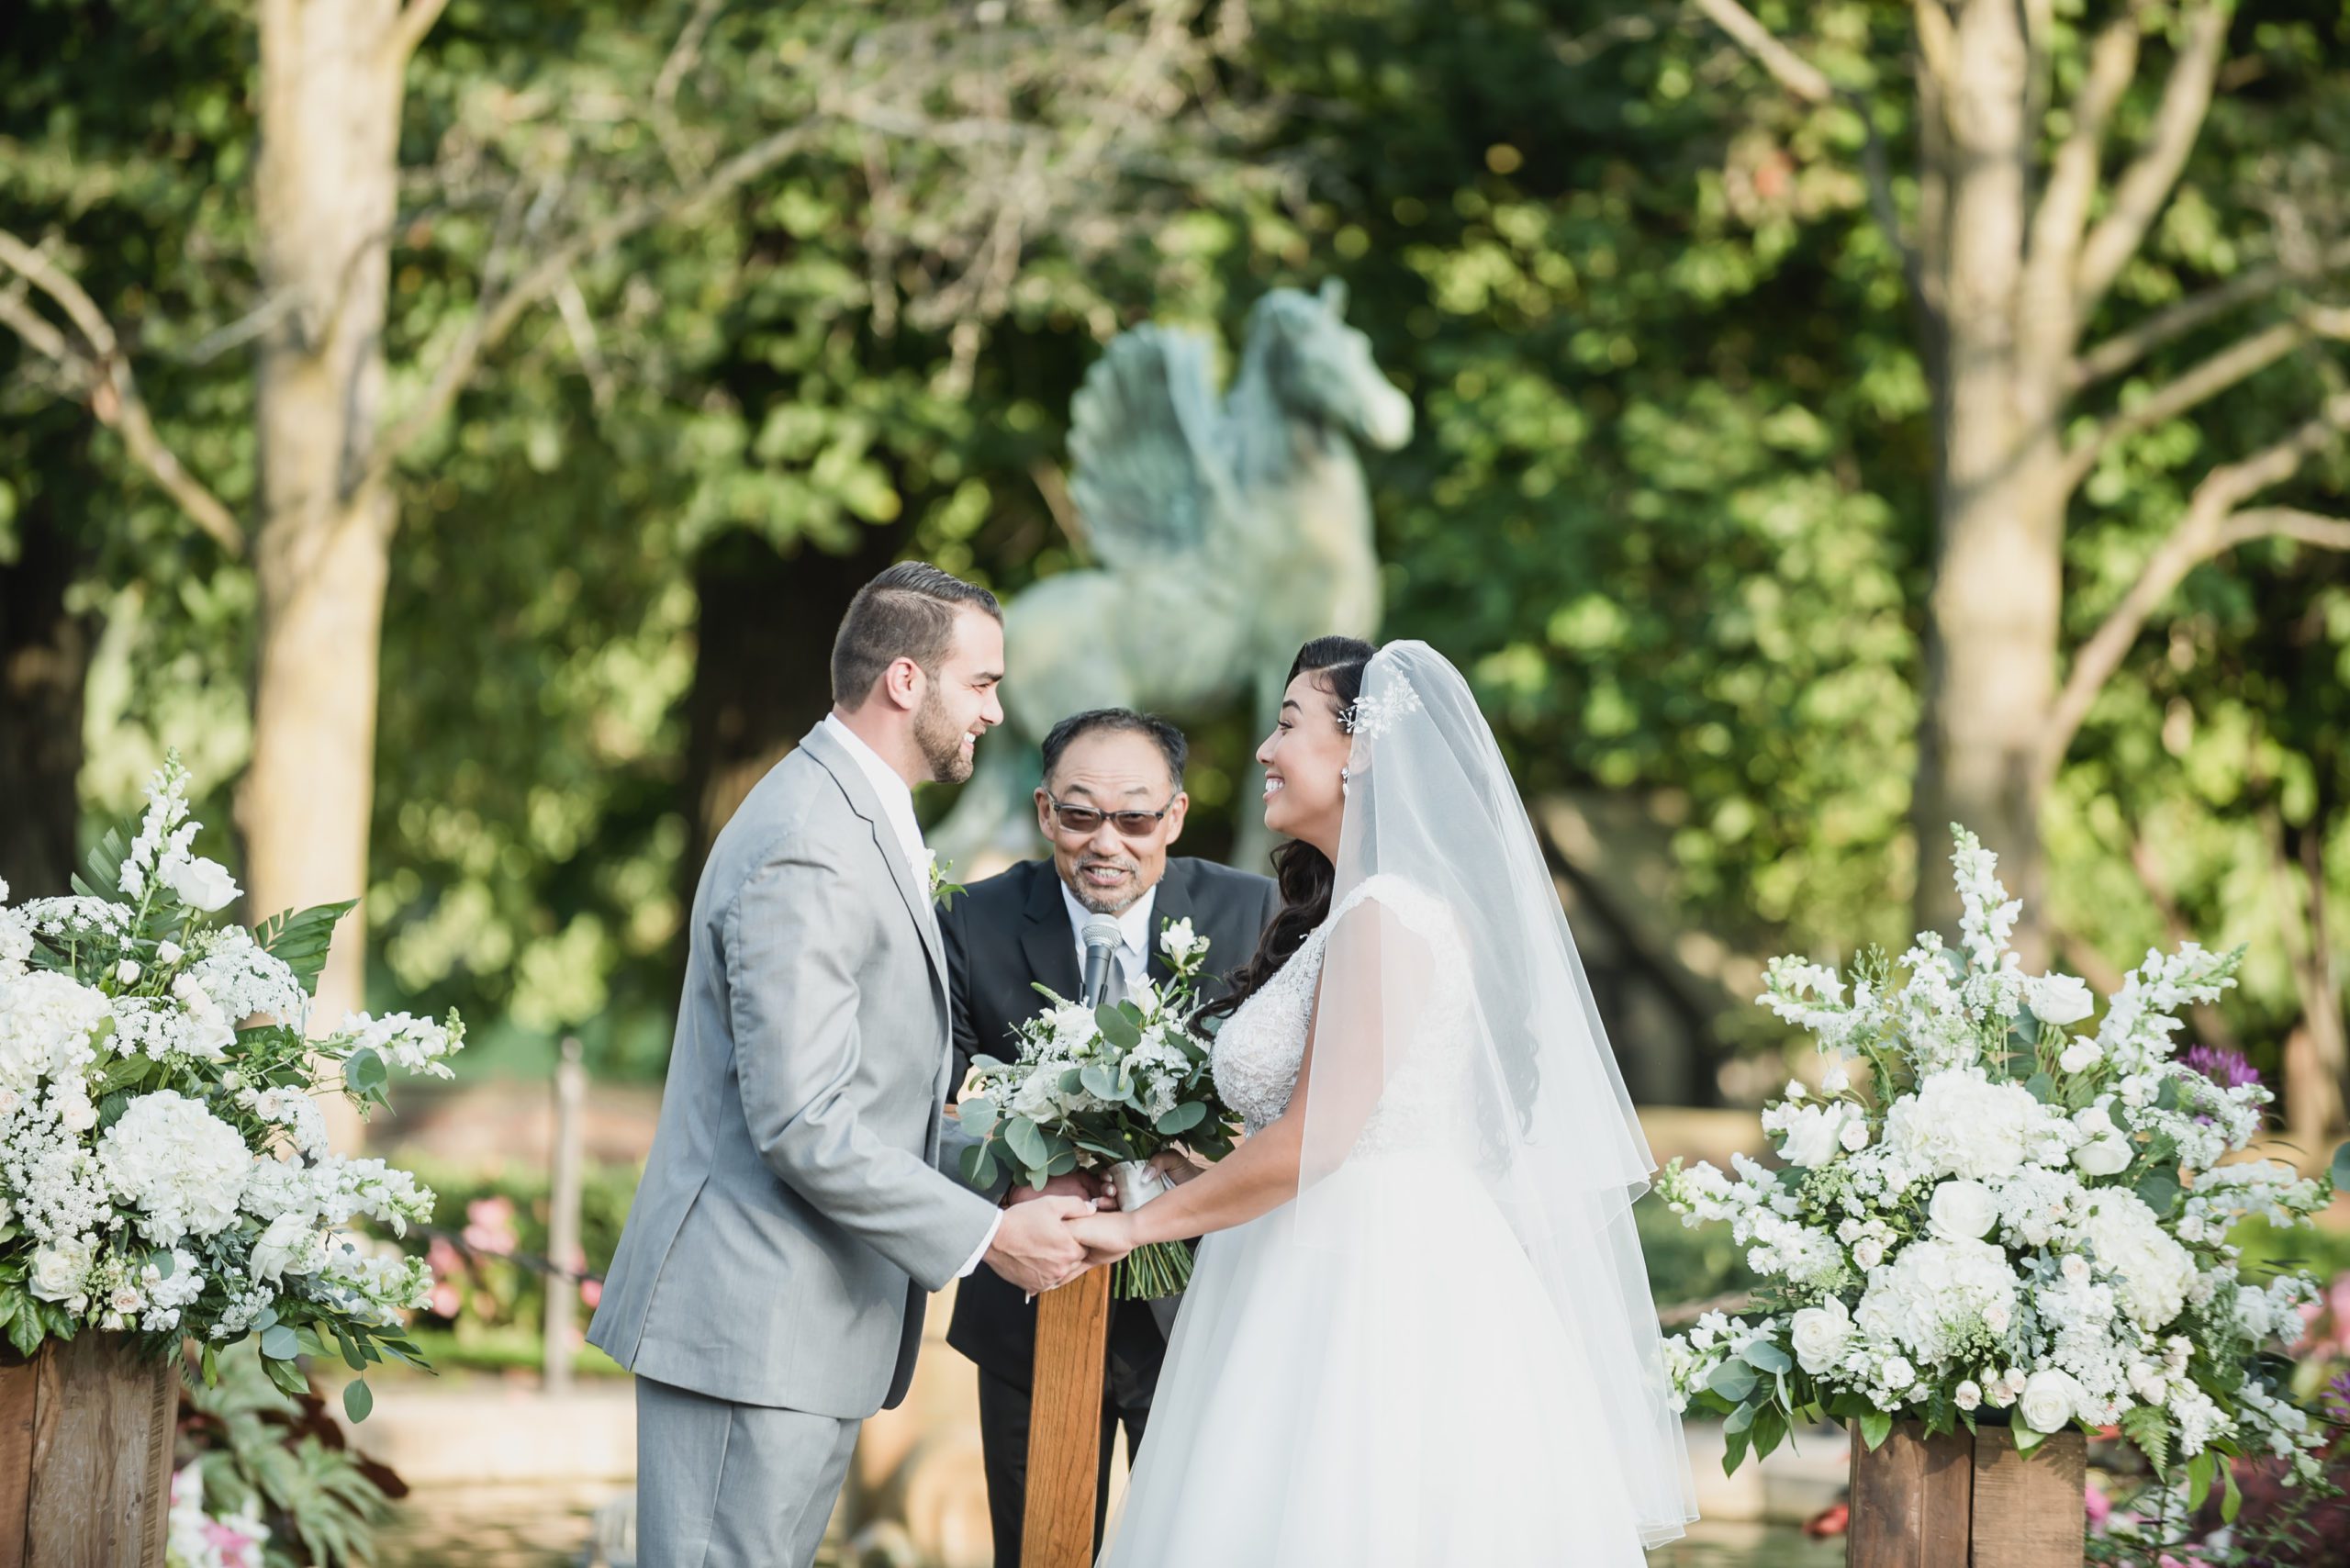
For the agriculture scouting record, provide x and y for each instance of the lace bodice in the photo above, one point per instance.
(1427, 1101)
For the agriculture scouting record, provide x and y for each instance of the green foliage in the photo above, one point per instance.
(258, 1441)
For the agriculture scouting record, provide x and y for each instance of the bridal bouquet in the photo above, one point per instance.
(1113, 1086)
(164, 1167)
(2005, 1220)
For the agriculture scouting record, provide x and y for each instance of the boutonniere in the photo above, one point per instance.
(936, 871)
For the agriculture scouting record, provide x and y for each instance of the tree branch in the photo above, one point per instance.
(2063, 214)
(409, 28)
(1811, 84)
(494, 318)
(2123, 350)
(2139, 195)
(2202, 381)
(2210, 526)
(111, 392)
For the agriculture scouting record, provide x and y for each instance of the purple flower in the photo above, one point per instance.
(2223, 1067)
(2338, 1397)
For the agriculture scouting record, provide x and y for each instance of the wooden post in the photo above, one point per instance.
(86, 1454)
(1965, 1501)
(562, 1217)
(1065, 1423)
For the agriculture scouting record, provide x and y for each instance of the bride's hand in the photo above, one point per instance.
(1106, 1237)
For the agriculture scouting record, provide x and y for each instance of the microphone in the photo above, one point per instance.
(1103, 937)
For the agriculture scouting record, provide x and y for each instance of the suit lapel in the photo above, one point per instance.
(1046, 940)
(851, 778)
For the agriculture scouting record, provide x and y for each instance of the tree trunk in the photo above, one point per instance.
(330, 81)
(2317, 1053)
(763, 669)
(45, 651)
(1992, 619)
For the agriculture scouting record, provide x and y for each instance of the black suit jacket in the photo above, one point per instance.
(1012, 930)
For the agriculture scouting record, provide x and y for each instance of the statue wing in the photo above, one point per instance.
(1142, 440)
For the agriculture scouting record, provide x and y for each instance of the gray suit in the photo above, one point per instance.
(768, 1288)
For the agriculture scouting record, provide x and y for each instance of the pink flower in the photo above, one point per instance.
(489, 1225)
(442, 1258)
(591, 1293)
(445, 1301)
(2098, 1505)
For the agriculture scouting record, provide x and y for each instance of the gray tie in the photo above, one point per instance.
(1114, 987)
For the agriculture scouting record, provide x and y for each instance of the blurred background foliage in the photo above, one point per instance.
(1670, 501)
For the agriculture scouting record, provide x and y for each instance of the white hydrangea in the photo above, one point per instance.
(49, 1024)
(1960, 1124)
(414, 1045)
(2152, 1270)
(1940, 1299)
(179, 1166)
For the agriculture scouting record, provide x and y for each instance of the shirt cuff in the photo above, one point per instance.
(965, 1271)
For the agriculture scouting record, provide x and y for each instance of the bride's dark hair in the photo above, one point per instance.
(1305, 872)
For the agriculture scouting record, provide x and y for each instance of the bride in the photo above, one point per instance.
(1419, 1332)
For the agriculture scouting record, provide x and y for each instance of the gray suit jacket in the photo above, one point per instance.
(794, 1211)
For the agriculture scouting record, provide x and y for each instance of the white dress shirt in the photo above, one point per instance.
(1134, 953)
(897, 799)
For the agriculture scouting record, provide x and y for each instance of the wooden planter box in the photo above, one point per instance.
(86, 1455)
(1966, 1502)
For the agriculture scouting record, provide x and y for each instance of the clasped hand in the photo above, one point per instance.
(1054, 1232)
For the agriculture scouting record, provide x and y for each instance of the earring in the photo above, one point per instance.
(1344, 774)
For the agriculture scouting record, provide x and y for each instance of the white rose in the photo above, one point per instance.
(2147, 1384)
(168, 953)
(1794, 1089)
(2059, 999)
(284, 1246)
(200, 883)
(1962, 1209)
(58, 1271)
(1820, 1334)
(2093, 1121)
(2102, 1157)
(2078, 1057)
(1967, 1395)
(1855, 1136)
(78, 1114)
(127, 1299)
(2076, 1268)
(2050, 1400)
(1869, 1253)
(1898, 1372)
(128, 972)
(1835, 1080)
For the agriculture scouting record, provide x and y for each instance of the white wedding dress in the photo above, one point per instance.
(1387, 1385)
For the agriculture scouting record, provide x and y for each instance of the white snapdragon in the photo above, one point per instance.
(414, 1045)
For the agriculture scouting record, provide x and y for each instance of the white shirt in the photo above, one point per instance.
(1134, 953)
(897, 799)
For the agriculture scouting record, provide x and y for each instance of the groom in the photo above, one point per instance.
(768, 1288)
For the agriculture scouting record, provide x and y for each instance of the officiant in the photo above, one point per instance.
(1111, 805)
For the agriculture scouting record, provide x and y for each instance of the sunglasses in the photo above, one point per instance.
(1083, 820)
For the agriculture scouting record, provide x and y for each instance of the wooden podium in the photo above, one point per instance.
(1065, 1423)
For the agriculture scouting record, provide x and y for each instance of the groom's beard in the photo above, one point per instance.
(941, 741)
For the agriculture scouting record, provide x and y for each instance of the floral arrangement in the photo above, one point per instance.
(2013, 1222)
(164, 1168)
(1113, 1084)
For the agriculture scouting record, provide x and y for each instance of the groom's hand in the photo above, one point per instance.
(1076, 1184)
(1035, 1248)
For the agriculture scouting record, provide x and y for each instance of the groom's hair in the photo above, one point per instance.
(907, 613)
(1120, 720)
